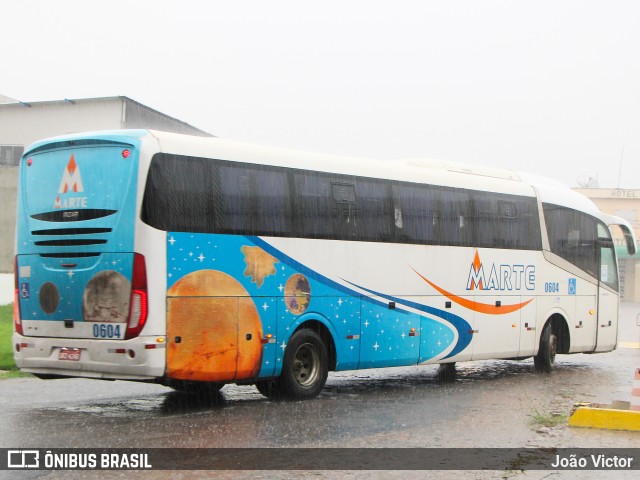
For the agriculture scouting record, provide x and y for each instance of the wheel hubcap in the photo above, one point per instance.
(306, 365)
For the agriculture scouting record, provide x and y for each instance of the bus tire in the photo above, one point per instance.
(269, 388)
(305, 366)
(195, 388)
(446, 372)
(544, 360)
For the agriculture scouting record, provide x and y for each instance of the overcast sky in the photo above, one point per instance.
(549, 87)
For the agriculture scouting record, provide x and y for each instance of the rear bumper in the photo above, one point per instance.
(141, 358)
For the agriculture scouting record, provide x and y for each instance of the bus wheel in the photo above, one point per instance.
(544, 360)
(304, 370)
(269, 388)
(446, 372)
(195, 388)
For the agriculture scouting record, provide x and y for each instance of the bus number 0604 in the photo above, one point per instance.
(106, 331)
(552, 287)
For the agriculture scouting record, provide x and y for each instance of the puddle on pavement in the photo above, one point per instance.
(390, 384)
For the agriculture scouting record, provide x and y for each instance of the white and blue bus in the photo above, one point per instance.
(196, 262)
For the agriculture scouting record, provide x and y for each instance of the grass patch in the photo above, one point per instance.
(547, 419)
(13, 374)
(6, 330)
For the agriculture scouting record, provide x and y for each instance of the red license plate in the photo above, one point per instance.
(72, 354)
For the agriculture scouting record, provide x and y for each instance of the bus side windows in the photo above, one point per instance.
(456, 223)
(236, 201)
(341, 208)
(416, 219)
(518, 225)
(445, 216)
(313, 210)
(608, 267)
(573, 236)
(274, 214)
(343, 193)
(217, 196)
(176, 195)
(507, 209)
(253, 201)
(375, 215)
(344, 211)
(502, 221)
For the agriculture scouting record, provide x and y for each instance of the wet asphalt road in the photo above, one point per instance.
(489, 404)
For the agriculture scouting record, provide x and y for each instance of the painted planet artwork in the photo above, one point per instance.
(213, 328)
(297, 292)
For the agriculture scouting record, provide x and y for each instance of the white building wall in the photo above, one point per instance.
(24, 123)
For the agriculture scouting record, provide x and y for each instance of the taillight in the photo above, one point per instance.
(17, 319)
(139, 307)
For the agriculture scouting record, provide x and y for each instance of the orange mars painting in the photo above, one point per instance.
(213, 328)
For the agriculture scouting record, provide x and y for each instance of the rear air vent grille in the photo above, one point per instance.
(70, 242)
(70, 255)
(71, 231)
(70, 237)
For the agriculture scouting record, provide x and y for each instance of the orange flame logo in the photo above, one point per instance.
(71, 179)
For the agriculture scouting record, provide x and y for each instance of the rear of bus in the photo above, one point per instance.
(81, 287)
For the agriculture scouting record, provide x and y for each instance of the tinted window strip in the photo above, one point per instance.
(305, 206)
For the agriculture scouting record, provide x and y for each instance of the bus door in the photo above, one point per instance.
(585, 330)
(608, 298)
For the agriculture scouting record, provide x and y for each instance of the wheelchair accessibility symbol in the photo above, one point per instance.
(24, 290)
(572, 286)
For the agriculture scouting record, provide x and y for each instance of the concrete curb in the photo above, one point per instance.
(605, 418)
